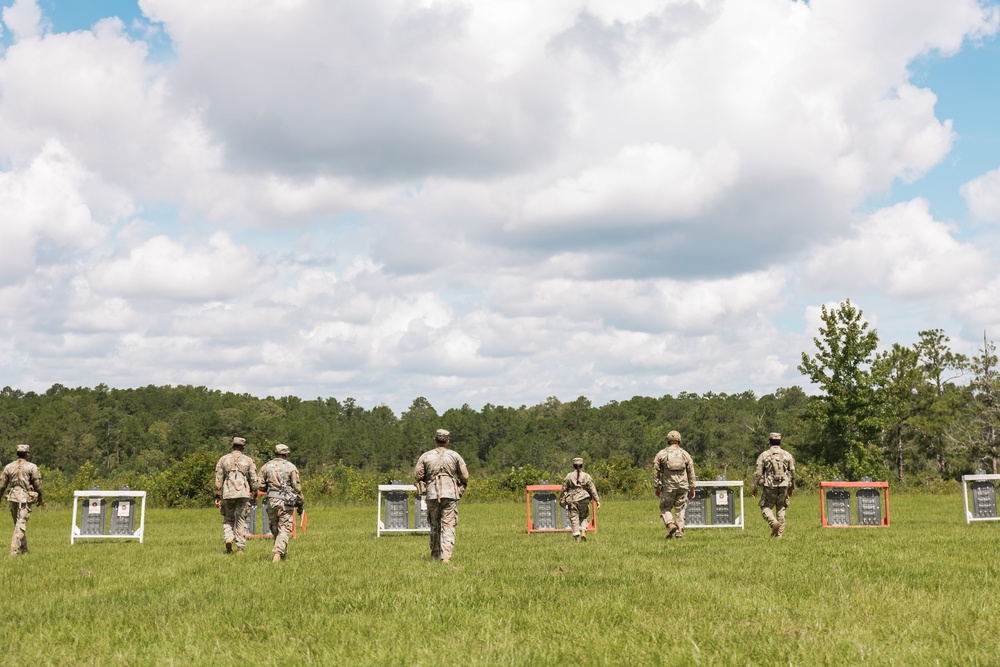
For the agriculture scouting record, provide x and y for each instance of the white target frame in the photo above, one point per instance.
(75, 534)
(969, 518)
(716, 485)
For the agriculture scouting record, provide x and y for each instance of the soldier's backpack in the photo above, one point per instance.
(776, 469)
(675, 460)
(235, 477)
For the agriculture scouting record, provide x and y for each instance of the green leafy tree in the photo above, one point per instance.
(902, 378)
(849, 412)
(943, 400)
(984, 423)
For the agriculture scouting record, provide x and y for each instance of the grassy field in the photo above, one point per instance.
(921, 592)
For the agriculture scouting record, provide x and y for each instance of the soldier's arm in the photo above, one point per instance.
(218, 479)
(254, 480)
(463, 471)
(657, 463)
(3, 481)
(791, 473)
(36, 483)
(758, 473)
(295, 482)
(592, 490)
(692, 481)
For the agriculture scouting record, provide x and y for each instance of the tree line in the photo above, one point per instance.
(918, 414)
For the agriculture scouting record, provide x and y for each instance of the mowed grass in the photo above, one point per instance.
(924, 591)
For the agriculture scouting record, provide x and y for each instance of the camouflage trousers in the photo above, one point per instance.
(579, 513)
(442, 515)
(235, 512)
(773, 503)
(673, 503)
(280, 520)
(20, 512)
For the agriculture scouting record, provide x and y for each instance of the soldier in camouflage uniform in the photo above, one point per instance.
(279, 478)
(25, 482)
(235, 489)
(674, 482)
(442, 475)
(577, 490)
(775, 471)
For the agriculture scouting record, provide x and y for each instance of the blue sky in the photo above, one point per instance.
(489, 202)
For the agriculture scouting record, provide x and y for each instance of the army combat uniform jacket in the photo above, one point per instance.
(577, 487)
(24, 480)
(236, 476)
(673, 468)
(442, 472)
(775, 469)
(277, 474)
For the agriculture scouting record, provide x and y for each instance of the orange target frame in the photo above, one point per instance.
(884, 486)
(301, 523)
(532, 488)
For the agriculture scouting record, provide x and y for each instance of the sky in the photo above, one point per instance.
(488, 202)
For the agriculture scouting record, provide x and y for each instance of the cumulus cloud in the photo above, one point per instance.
(646, 184)
(164, 268)
(902, 250)
(982, 196)
(43, 202)
(485, 201)
(23, 19)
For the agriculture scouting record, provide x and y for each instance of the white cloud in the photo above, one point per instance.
(650, 184)
(43, 201)
(982, 195)
(163, 268)
(902, 250)
(23, 19)
(486, 201)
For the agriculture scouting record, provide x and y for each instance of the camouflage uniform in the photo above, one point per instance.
(442, 475)
(280, 479)
(775, 471)
(673, 475)
(577, 491)
(25, 482)
(235, 486)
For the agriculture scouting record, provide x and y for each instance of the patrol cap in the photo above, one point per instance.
(578, 461)
(441, 433)
(774, 436)
(281, 448)
(23, 449)
(673, 436)
(239, 442)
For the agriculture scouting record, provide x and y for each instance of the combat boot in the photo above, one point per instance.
(446, 560)
(671, 529)
(276, 558)
(583, 536)
(576, 538)
(239, 552)
(229, 547)
(781, 528)
(776, 529)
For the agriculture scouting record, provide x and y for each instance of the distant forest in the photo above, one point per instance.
(918, 415)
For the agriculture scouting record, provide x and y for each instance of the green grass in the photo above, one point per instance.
(921, 592)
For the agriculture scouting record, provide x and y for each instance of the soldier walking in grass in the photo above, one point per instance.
(775, 471)
(577, 491)
(235, 486)
(442, 475)
(279, 478)
(25, 482)
(674, 482)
